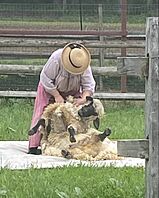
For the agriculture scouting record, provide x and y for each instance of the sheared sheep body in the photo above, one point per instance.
(90, 144)
(60, 117)
(87, 147)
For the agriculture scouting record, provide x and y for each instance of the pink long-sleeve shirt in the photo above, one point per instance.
(54, 76)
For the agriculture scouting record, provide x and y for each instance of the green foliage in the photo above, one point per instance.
(71, 182)
(79, 11)
(15, 116)
(126, 119)
(23, 61)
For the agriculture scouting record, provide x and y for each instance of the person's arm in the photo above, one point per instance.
(87, 85)
(82, 100)
(49, 74)
(57, 96)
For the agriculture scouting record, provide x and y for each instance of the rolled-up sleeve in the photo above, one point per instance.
(87, 81)
(49, 74)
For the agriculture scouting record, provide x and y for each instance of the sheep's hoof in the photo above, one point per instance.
(107, 132)
(31, 132)
(72, 139)
(66, 154)
(103, 135)
(71, 131)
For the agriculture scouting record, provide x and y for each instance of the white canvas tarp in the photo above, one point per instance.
(13, 155)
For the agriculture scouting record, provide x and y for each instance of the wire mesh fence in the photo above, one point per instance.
(80, 16)
(74, 16)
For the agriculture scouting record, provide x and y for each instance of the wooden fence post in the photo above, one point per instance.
(152, 108)
(147, 148)
(124, 7)
(101, 51)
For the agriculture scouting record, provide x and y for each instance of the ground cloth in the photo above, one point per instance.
(13, 155)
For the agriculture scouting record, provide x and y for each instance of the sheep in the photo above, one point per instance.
(90, 146)
(61, 117)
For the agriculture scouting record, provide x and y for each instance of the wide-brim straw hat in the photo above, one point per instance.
(75, 58)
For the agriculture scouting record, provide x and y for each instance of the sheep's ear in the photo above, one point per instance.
(89, 98)
(96, 123)
(94, 113)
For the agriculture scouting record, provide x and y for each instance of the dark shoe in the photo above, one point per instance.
(34, 151)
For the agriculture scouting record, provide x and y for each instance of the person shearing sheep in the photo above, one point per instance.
(66, 132)
(67, 72)
(62, 117)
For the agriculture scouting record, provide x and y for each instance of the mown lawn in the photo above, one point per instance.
(72, 182)
(126, 119)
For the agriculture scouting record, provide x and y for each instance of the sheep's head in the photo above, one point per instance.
(88, 109)
(92, 111)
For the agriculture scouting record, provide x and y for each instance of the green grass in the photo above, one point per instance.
(126, 121)
(23, 61)
(15, 116)
(74, 182)
(138, 22)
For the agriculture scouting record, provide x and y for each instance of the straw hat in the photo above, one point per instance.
(75, 58)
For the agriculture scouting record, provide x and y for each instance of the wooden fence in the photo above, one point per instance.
(148, 66)
(35, 70)
(93, 39)
(26, 40)
(147, 148)
(22, 37)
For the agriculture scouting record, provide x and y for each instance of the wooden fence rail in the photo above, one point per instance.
(46, 55)
(35, 70)
(100, 95)
(38, 44)
(57, 44)
(26, 70)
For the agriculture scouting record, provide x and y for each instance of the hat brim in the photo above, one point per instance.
(68, 65)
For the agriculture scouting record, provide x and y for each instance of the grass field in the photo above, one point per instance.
(126, 119)
(74, 182)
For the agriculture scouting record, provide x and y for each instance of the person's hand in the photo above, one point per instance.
(79, 101)
(59, 99)
(57, 96)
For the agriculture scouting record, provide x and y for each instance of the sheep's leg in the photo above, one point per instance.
(32, 131)
(48, 128)
(71, 131)
(66, 154)
(45, 131)
(103, 135)
(75, 154)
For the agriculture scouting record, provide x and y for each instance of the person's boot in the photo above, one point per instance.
(34, 151)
